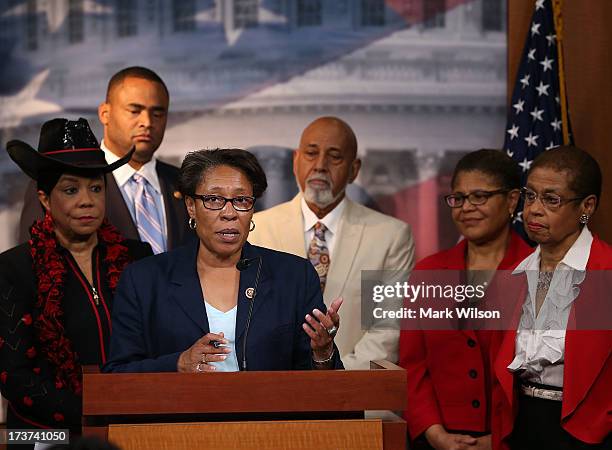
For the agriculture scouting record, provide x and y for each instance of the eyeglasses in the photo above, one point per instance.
(475, 198)
(550, 201)
(215, 202)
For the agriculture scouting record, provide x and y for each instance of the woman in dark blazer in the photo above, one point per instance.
(552, 384)
(448, 371)
(198, 308)
(56, 291)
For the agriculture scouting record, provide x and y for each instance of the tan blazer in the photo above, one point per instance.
(366, 240)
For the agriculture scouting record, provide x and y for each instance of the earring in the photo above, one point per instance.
(192, 223)
(584, 218)
(252, 225)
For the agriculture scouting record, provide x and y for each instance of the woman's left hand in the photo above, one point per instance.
(321, 329)
(483, 443)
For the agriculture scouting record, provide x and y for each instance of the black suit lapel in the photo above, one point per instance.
(176, 215)
(248, 279)
(117, 211)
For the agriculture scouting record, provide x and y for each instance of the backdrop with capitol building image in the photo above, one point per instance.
(421, 82)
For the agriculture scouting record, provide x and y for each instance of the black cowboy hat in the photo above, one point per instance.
(65, 146)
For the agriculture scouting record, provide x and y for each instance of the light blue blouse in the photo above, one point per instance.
(225, 322)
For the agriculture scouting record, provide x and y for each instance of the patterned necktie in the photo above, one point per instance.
(318, 253)
(147, 216)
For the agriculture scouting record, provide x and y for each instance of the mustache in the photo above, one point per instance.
(320, 177)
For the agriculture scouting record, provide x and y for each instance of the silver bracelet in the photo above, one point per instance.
(324, 361)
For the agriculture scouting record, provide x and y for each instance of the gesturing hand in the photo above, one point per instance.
(322, 328)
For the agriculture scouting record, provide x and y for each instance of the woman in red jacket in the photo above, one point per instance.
(448, 371)
(552, 384)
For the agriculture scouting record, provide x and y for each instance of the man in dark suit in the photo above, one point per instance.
(140, 198)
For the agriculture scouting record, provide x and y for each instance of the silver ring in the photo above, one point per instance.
(204, 358)
(199, 367)
(332, 331)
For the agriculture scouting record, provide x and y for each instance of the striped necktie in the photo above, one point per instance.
(318, 253)
(147, 216)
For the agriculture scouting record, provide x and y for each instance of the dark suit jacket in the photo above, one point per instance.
(159, 312)
(117, 211)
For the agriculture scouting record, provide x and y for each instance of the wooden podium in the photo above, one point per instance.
(322, 410)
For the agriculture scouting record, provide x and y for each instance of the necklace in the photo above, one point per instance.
(544, 280)
(87, 285)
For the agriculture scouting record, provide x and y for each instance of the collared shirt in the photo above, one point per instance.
(331, 222)
(123, 176)
(540, 340)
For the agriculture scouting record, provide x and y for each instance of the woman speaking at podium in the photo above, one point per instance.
(221, 304)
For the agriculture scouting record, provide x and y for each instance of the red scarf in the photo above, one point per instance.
(50, 269)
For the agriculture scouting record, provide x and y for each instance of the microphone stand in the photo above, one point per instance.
(245, 264)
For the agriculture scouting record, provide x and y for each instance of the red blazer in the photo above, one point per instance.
(586, 412)
(448, 371)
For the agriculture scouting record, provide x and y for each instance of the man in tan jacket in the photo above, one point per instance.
(340, 237)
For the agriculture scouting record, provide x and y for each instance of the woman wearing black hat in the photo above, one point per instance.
(56, 290)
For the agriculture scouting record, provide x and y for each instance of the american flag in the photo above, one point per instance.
(534, 120)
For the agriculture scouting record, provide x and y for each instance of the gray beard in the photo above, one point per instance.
(320, 197)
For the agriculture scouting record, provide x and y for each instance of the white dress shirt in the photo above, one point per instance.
(331, 222)
(123, 175)
(540, 340)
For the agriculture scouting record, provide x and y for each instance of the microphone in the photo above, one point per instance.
(244, 264)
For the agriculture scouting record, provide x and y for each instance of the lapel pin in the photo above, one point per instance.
(249, 292)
